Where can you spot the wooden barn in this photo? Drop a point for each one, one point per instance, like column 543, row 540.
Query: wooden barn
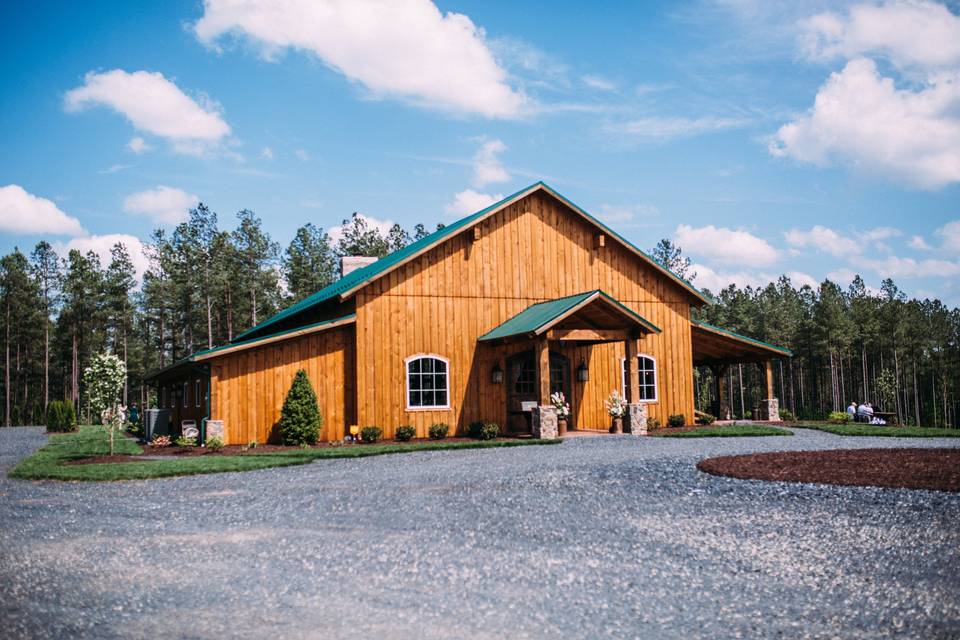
column 481, row 320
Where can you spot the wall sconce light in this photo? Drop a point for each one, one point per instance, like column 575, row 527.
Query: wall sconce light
column 496, row 376
column 583, row 374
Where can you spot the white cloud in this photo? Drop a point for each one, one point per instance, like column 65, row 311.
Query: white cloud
column 861, row 119
column 799, row 278
column 101, row 245
column 881, row 233
column 380, row 224
column 155, row 105
column 708, row 278
column 656, row 128
column 302, row 155
column 487, row 168
column 22, row 212
column 917, row 242
column 470, row 201
column 727, row 246
column 596, row 82
column 405, row 48
column 138, row 145
column 824, row 239
column 897, row 267
column 614, row 214
column 267, row 153
column 114, row 168
column 163, row 205
column 841, row 275
column 909, row 34
column 949, row 235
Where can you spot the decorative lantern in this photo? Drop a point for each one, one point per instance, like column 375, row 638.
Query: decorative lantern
column 496, row 376
column 583, row 374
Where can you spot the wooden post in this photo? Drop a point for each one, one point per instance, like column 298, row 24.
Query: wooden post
column 542, row 353
column 720, row 403
column 768, row 372
column 633, row 373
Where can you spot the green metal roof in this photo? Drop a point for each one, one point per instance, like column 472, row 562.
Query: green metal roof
column 370, row 272
column 535, row 317
column 754, row 341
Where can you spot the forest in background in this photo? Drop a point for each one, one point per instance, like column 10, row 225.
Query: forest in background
column 205, row 285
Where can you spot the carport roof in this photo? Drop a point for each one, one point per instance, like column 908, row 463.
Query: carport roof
column 713, row 345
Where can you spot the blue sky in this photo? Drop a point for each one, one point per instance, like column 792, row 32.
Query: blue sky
column 814, row 139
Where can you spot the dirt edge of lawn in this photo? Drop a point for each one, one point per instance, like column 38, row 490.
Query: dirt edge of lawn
column 65, row 456
column 931, row 469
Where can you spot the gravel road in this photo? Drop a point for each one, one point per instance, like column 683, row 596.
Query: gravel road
column 598, row 537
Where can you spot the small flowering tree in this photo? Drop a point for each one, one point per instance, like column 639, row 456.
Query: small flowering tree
column 103, row 380
column 615, row 404
column 559, row 402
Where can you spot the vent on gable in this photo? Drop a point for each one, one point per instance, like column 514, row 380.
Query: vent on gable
column 352, row 263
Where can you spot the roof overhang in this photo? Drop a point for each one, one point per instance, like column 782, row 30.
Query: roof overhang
column 713, row 346
column 590, row 317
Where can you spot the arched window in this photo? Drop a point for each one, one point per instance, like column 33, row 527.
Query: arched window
column 647, row 367
column 427, row 382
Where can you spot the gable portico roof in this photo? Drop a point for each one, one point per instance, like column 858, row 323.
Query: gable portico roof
column 356, row 280
column 538, row 318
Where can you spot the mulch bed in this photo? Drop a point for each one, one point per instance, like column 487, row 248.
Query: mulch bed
column 935, row 469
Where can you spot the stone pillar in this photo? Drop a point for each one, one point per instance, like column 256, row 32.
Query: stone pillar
column 770, row 410
column 635, row 421
column 544, row 422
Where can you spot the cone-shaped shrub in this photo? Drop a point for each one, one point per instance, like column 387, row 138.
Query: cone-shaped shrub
column 300, row 419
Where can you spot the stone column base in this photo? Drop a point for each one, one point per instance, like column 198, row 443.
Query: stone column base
column 770, row 410
column 635, row 421
column 544, row 422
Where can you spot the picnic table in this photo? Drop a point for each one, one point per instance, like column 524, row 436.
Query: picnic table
column 886, row 416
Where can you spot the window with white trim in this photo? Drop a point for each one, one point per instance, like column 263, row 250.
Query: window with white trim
column 163, row 400
column 427, row 382
column 647, row 368
column 186, row 390
column 196, row 393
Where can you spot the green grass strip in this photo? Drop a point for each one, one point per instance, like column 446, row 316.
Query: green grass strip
column 726, row 431
column 48, row 463
column 881, row 430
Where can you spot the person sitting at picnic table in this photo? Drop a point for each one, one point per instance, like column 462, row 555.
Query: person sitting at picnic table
column 864, row 412
column 852, row 411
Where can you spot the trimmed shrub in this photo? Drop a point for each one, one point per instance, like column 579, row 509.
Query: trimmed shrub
column 61, row 416
column 489, row 431
column 405, row 433
column 838, row 417
column 705, row 418
column 300, row 419
column 474, row 429
column 439, row 431
column 653, row 423
column 161, row 441
column 370, row 434
column 787, row 416
column 214, row 444
column 185, row 442
column 676, row 420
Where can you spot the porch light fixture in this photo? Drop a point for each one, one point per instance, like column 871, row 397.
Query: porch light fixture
column 583, row 374
column 496, row 376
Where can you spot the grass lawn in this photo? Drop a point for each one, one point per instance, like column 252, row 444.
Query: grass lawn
column 881, row 430
column 726, row 431
column 48, row 461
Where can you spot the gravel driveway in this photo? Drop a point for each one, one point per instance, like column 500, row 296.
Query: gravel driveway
column 599, row 537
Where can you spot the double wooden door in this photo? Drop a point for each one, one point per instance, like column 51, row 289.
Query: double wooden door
column 522, row 388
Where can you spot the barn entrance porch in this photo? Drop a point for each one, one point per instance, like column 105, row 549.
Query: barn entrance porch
column 538, row 369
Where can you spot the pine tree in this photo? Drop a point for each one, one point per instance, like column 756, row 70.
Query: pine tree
column 45, row 266
column 309, row 263
column 671, row 256
column 359, row 239
column 300, row 419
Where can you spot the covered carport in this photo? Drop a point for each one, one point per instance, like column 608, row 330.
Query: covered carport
column 718, row 349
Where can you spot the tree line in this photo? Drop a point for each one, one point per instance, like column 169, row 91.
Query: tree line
column 203, row 285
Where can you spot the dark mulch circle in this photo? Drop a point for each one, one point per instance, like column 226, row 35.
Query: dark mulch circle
column 936, row 469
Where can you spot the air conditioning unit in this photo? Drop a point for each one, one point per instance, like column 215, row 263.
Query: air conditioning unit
column 157, row 423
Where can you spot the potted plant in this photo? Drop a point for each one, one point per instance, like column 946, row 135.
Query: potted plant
column 559, row 403
column 616, row 407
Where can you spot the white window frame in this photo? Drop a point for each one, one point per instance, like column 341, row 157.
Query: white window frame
column 186, row 395
column 656, row 378
column 197, row 392
column 164, row 400
column 406, row 375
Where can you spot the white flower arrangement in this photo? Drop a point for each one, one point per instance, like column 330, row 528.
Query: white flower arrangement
column 616, row 406
column 559, row 402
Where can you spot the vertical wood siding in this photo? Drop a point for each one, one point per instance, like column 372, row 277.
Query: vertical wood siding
column 532, row 251
column 248, row 387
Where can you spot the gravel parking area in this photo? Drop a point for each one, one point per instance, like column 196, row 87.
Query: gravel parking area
column 599, row 537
